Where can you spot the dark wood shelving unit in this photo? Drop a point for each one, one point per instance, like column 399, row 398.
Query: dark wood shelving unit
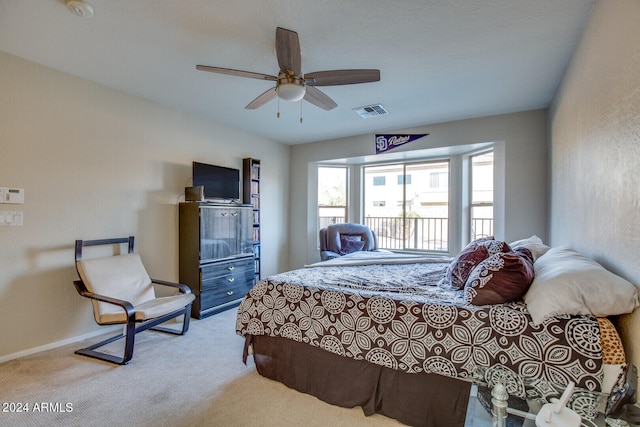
column 251, row 196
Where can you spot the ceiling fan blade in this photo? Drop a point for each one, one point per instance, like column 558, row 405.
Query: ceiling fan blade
column 341, row 77
column 262, row 99
column 238, row 73
column 319, row 99
column 288, row 51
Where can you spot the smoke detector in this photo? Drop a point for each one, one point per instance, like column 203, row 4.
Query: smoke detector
column 80, row 8
column 371, row 111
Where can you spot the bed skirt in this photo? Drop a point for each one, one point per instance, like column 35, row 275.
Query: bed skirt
column 421, row 399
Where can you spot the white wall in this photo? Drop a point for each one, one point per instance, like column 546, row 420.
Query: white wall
column 594, row 128
column 97, row 163
column 523, row 136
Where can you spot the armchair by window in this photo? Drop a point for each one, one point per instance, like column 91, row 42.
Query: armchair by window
column 340, row 239
column 123, row 293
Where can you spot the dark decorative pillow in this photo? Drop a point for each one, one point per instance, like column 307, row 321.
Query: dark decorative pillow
column 502, row 277
column 475, row 252
column 350, row 244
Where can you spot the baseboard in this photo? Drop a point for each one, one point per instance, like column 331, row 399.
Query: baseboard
column 61, row 343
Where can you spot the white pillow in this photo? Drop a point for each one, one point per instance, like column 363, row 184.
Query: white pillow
column 534, row 244
column 567, row 282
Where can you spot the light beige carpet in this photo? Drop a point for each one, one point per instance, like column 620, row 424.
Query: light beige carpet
column 193, row 380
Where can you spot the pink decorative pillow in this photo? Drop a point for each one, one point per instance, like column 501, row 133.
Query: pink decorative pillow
column 475, row 252
column 502, row 277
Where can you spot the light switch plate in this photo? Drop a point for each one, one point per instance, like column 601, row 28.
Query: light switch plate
column 11, row 218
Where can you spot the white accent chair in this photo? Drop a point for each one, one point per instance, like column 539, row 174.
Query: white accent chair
column 123, row 293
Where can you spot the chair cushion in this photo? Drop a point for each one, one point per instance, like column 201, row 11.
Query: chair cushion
column 121, row 276
column 153, row 308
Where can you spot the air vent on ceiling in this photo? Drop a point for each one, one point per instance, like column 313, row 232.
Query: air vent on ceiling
column 371, row 111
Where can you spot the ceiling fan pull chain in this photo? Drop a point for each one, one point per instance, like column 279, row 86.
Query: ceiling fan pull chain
column 300, row 112
column 278, row 115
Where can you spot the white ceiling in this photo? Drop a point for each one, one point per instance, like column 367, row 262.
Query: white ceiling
column 439, row 60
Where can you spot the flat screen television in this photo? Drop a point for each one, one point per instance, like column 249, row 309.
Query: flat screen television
column 218, row 182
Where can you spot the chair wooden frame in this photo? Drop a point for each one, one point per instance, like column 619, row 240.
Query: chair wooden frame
column 131, row 328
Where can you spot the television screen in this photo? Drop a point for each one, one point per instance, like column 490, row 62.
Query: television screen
column 218, row 182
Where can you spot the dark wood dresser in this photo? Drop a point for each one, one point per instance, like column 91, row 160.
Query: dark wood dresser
column 216, row 254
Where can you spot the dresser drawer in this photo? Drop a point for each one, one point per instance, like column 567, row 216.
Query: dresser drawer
column 225, row 291
column 236, row 267
column 225, row 281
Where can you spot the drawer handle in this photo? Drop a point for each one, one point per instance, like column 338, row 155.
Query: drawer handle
column 234, row 214
column 230, row 293
column 224, row 214
column 231, row 268
column 231, row 279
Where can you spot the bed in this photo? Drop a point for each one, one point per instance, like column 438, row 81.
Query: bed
column 406, row 336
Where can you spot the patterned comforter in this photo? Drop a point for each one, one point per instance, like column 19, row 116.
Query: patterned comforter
column 397, row 316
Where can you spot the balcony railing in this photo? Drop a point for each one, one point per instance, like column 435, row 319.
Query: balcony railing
column 481, row 227
column 424, row 234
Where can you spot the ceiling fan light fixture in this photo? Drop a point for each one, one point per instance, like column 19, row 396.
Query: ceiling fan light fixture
column 291, row 91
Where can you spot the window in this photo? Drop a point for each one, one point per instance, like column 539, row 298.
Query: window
column 419, row 203
column 415, row 213
column 332, row 195
column 434, row 180
column 379, row 180
column 481, row 195
column 404, row 179
column 438, row 179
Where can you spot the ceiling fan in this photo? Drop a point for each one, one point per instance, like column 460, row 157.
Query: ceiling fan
column 291, row 84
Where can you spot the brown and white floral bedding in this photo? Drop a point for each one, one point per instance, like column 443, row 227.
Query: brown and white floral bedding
column 396, row 315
